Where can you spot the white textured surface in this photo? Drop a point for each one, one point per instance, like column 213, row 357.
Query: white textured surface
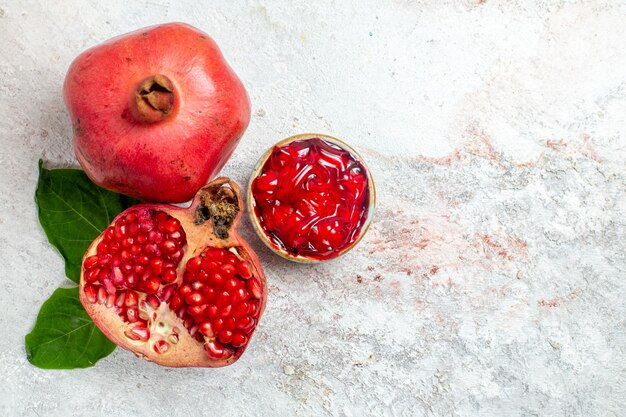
column 492, row 281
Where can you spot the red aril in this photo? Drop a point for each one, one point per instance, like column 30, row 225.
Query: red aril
column 188, row 292
column 311, row 198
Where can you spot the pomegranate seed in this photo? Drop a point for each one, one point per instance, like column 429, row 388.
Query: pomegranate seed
column 153, row 301
column 214, row 254
column 132, row 314
column 151, row 286
column 239, row 295
column 228, row 269
column 176, row 302
column 206, row 329
column 103, row 274
column 216, row 279
column 90, row 293
column 90, row 262
column 229, row 323
column 203, row 275
column 102, row 295
column 133, row 229
column 150, row 249
column 108, row 286
column 245, row 323
column 215, row 350
column 217, row 324
column 169, row 226
column 185, row 290
column 209, row 293
column 194, row 299
column 231, row 258
column 254, row 288
column 197, row 286
column 169, row 275
column 238, row 340
column 139, row 269
column 119, row 301
column 196, row 310
column 168, row 246
column 161, row 346
column 231, row 284
column 225, row 336
column 114, row 247
column 223, row 299
column 131, row 299
column 128, row 242
column 92, row 275
column 241, row 310
column 253, row 308
column 131, row 280
column 173, row 338
column 243, row 269
column 117, row 276
column 143, row 260
column 120, row 231
column 138, row 332
column 135, row 250
column 167, row 293
column 194, row 264
column 126, row 256
column 212, row 311
column 226, row 310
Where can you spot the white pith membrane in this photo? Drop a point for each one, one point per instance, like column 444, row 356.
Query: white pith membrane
column 155, row 331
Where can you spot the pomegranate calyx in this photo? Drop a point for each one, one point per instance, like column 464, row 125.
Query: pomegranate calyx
column 220, row 203
column 154, row 99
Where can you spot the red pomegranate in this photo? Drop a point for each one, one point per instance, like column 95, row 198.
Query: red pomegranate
column 177, row 286
column 156, row 112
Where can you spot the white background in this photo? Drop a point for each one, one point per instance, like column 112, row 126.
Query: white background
column 491, row 282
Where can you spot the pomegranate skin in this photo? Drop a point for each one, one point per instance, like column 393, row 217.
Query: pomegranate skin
column 164, row 154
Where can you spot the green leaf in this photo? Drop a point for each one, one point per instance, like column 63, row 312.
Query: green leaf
column 73, row 211
column 64, row 336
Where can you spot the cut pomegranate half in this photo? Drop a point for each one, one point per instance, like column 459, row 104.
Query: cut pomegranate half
column 177, row 286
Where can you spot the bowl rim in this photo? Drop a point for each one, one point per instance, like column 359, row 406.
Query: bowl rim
column 255, row 220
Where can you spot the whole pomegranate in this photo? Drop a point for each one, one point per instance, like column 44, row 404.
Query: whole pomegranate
column 177, row 286
column 156, row 112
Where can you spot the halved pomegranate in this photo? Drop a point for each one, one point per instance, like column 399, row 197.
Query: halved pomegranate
column 177, row 286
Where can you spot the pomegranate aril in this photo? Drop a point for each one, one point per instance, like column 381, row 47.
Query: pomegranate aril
column 142, row 238
column 185, row 290
column 151, row 286
column 108, row 286
column 194, row 264
column 229, row 323
column 176, row 302
column 239, row 295
column 197, row 285
column 197, row 310
column 138, row 331
column 228, row 269
column 241, row 310
column 102, row 295
column 161, row 346
column 169, row 275
column 167, row 293
column 209, row 294
column 217, row 324
column 135, row 250
column 133, row 228
column 153, row 301
column 119, row 301
column 132, row 314
column 92, row 275
column 214, row 254
column 90, row 262
column 243, row 269
column 213, row 312
column 226, row 311
column 206, row 329
column 168, row 246
column 216, row 279
column 254, row 288
column 215, row 350
column 231, row 284
column 117, row 277
column 225, row 336
column 91, row 293
column 238, row 340
column 195, row 298
column 143, row 260
column 245, row 323
column 223, row 299
column 131, row 299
